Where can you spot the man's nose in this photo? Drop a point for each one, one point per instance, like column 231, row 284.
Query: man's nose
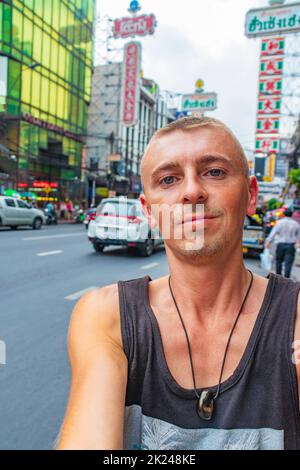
column 194, row 190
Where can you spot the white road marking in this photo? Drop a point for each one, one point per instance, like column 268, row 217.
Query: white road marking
column 48, row 253
column 47, row 237
column 80, row 293
column 150, row 265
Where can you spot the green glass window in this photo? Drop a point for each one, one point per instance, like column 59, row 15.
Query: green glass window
column 48, row 11
column 27, row 37
column 35, row 89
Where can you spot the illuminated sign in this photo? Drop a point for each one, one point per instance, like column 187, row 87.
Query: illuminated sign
column 44, row 184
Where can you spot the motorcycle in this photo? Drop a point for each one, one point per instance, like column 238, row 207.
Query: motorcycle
column 78, row 216
column 51, row 217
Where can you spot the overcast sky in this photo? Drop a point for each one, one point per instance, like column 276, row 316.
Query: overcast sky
column 203, row 39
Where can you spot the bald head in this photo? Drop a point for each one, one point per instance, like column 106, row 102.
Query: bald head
column 186, row 127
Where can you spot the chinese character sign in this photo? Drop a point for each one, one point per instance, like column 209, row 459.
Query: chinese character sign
column 269, row 95
column 131, row 83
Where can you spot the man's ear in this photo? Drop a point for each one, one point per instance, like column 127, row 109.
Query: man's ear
column 147, row 211
column 253, row 195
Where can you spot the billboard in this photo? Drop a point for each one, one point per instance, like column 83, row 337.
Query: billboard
column 131, row 83
column 268, row 21
column 136, row 26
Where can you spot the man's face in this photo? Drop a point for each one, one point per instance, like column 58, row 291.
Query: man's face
column 193, row 167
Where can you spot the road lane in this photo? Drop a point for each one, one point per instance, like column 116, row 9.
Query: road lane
column 34, row 320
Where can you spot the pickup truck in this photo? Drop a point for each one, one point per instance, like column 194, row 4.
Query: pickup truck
column 253, row 237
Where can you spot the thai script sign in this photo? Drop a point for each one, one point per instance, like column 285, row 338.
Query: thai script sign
column 273, row 20
column 199, row 102
column 131, row 83
column 135, row 26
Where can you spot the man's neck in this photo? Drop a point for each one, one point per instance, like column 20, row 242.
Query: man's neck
column 210, row 291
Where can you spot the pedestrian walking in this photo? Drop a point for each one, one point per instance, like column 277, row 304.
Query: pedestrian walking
column 62, row 209
column 200, row 358
column 70, row 209
column 287, row 235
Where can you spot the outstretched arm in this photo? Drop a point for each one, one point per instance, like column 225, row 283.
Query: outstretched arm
column 95, row 412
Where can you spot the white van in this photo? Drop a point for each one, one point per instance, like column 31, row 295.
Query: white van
column 16, row 213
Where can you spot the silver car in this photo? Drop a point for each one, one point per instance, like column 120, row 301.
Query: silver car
column 121, row 221
column 16, row 213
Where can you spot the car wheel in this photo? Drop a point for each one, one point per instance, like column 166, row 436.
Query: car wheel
column 98, row 248
column 14, row 227
column 0, row 222
column 37, row 224
column 147, row 248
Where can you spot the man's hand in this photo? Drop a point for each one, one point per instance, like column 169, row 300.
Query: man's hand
column 267, row 245
column 95, row 414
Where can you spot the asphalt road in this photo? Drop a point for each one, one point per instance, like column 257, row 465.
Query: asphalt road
column 43, row 273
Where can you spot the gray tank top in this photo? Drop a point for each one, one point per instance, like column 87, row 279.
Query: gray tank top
column 258, row 406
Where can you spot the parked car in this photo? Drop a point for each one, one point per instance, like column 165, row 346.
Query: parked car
column 121, row 221
column 16, row 213
column 253, row 237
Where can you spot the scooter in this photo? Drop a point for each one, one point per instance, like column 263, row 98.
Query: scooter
column 79, row 216
column 51, row 217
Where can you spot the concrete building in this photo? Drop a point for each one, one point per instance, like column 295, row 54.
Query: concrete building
column 113, row 150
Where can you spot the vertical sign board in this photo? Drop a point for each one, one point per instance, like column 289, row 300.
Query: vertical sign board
column 131, row 83
column 3, row 79
column 269, row 101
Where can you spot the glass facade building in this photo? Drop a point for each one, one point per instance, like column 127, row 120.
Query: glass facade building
column 46, row 49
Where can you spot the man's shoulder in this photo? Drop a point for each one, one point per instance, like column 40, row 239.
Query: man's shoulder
column 98, row 311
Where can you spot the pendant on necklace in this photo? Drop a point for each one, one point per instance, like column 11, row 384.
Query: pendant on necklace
column 205, row 405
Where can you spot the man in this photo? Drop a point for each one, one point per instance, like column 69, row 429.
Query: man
column 287, row 232
column 201, row 359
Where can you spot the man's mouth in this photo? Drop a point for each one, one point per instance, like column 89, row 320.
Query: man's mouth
column 198, row 218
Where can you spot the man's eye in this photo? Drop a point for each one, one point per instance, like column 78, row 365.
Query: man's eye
column 168, row 180
column 216, row 172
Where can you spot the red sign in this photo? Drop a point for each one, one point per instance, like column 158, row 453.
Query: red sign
column 131, row 79
column 44, row 184
column 135, row 26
